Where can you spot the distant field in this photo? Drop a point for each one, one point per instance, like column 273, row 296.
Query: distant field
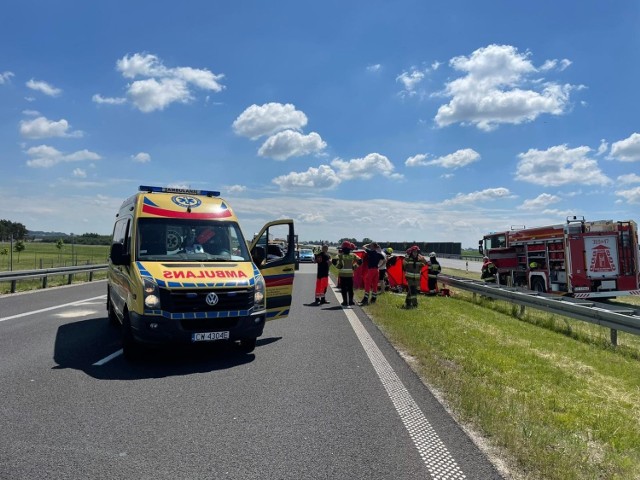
column 38, row 255
column 47, row 255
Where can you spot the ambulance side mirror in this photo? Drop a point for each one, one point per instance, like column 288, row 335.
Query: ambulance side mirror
column 118, row 255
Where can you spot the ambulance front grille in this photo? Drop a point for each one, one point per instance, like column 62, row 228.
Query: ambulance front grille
column 180, row 301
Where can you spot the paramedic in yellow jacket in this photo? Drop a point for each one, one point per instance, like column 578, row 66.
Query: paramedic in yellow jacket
column 412, row 266
column 346, row 262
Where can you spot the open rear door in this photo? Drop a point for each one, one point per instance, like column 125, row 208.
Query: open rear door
column 273, row 251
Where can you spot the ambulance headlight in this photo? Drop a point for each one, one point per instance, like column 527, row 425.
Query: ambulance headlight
column 151, row 294
column 259, row 296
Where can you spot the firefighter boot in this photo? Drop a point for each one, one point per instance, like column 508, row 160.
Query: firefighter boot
column 365, row 300
column 344, row 300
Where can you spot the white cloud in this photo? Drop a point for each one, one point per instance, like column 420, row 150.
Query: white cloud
column 454, row 160
column 494, row 90
column 151, row 94
column 323, row 177
column 141, row 157
column 560, row 165
column 5, row 77
column 410, row 81
column 43, row 87
column 540, row 202
column 604, row 146
column 365, row 168
column 631, row 196
column 290, row 143
column 79, row 173
column 99, row 99
column 374, row 68
column 487, row 194
column 236, row 189
column 313, row 218
column 260, row 120
column 628, row 179
column 627, row 150
column 162, row 86
column 44, row 156
column 42, row 127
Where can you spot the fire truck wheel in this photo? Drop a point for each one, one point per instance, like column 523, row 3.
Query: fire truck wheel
column 537, row 285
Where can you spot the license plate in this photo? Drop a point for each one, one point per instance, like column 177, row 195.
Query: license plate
column 209, row 336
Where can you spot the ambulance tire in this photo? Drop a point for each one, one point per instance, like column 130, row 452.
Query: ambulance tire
column 131, row 350
column 247, row 345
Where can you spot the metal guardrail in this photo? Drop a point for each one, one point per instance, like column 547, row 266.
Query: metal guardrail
column 614, row 317
column 45, row 273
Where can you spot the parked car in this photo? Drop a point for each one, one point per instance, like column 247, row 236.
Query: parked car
column 306, row 255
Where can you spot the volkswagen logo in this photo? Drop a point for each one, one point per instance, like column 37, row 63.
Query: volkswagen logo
column 212, row 299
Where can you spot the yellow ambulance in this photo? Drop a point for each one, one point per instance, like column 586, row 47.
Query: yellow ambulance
column 180, row 271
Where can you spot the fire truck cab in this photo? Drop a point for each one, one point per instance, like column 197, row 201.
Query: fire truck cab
column 585, row 259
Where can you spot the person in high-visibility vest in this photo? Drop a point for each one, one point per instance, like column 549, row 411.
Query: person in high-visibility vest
column 434, row 271
column 412, row 266
column 346, row 262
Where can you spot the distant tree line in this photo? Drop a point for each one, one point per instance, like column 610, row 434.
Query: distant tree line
column 9, row 229
column 19, row 232
column 84, row 239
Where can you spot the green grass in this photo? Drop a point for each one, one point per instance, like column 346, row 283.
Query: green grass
column 38, row 255
column 551, row 393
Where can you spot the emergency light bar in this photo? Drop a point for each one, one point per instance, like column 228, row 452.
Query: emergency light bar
column 208, row 193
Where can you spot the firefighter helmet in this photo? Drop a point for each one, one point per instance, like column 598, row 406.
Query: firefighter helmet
column 389, row 250
column 346, row 244
column 432, row 255
column 415, row 248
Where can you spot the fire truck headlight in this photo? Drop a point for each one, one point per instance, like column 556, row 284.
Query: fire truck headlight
column 259, row 296
column 151, row 294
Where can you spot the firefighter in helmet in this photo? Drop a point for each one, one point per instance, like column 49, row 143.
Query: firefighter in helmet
column 346, row 262
column 434, row 270
column 412, row 266
column 488, row 271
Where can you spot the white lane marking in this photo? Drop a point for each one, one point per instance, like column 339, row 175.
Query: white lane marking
column 99, row 363
column 434, row 454
column 34, row 312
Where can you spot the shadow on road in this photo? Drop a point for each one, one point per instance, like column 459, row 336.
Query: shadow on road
column 79, row 345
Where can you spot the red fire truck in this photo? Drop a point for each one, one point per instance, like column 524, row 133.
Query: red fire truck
column 580, row 258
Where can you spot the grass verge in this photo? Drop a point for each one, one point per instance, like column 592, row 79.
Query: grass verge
column 550, row 392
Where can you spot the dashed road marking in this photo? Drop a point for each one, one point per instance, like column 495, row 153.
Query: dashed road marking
column 34, row 312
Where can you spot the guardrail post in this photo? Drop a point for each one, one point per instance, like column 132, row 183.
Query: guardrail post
column 614, row 337
column 44, row 282
column 91, row 276
column 70, row 279
column 13, row 286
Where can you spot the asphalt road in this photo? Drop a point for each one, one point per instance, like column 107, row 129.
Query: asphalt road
column 323, row 396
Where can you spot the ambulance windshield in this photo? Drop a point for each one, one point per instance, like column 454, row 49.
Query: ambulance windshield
column 169, row 239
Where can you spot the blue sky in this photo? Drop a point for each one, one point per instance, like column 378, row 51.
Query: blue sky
column 407, row 120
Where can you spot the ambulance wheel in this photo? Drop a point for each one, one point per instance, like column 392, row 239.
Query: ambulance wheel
column 247, row 345
column 131, row 349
